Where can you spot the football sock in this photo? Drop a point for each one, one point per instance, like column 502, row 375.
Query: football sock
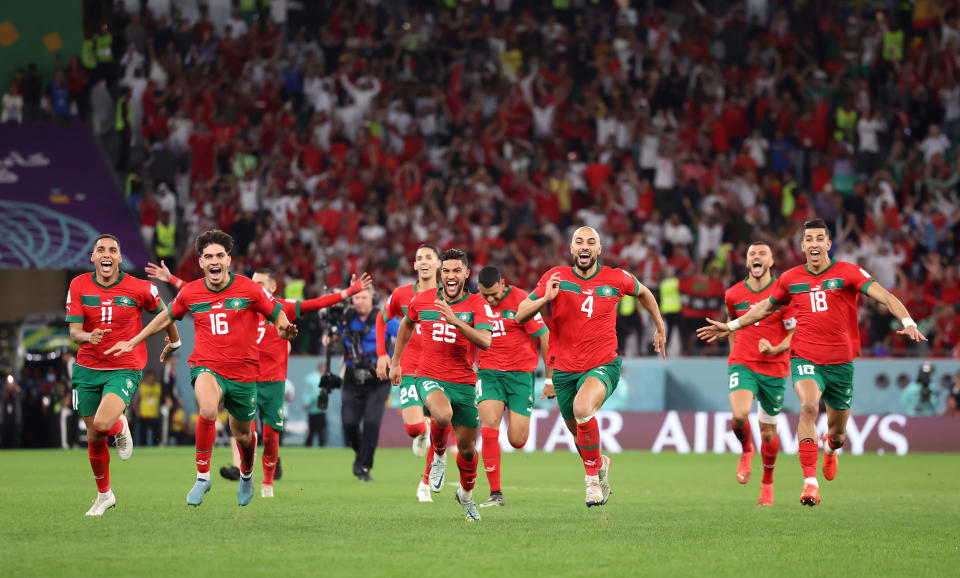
column 426, row 471
column 588, row 441
column 768, row 451
column 438, row 437
column 248, row 455
column 830, row 448
column 206, row 435
column 808, row 459
column 100, row 464
column 743, row 434
column 468, row 471
column 115, row 429
column 415, row 429
column 491, row 456
column 271, row 448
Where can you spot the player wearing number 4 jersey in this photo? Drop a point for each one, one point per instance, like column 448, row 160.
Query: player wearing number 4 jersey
column 103, row 308
column 823, row 295
column 454, row 323
column 583, row 344
column 425, row 263
column 505, row 377
column 224, row 362
column 758, row 367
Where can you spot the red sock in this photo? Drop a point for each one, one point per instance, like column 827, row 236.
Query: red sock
column 100, row 464
column 588, row 440
column 438, row 437
column 413, row 430
column 468, row 471
column 206, row 435
column 426, row 471
column 743, row 434
column 768, row 451
column 248, row 454
column 809, row 457
column 491, row 456
column 115, row 429
column 271, row 449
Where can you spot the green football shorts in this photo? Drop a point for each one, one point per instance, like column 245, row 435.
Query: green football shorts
column 270, row 396
column 567, row 384
column 90, row 385
column 834, row 380
column 240, row 398
column 408, row 392
column 768, row 390
column 514, row 388
column 462, row 397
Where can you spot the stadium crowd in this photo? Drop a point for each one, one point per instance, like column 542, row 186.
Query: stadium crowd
column 343, row 137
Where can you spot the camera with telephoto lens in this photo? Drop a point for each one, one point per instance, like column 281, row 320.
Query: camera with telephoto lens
column 328, row 383
column 924, row 378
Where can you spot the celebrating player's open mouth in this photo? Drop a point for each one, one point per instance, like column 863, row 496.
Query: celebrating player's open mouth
column 756, row 268
column 215, row 272
column 452, row 286
column 106, row 267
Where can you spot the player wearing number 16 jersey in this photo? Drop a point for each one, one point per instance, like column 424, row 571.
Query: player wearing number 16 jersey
column 823, row 295
column 583, row 344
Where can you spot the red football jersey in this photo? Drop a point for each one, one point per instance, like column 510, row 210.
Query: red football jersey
column 396, row 307
column 583, row 332
column 447, row 355
column 225, row 324
column 274, row 350
column 741, row 298
column 512, row 348
column 825, row 306
column 116, row 307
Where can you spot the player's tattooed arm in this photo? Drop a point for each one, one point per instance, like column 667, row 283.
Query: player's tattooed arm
column 897, row 309
column 79, row 336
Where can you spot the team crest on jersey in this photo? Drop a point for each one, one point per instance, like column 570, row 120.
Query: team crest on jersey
column 832, row 284
column 463, row 316
column 604, row 291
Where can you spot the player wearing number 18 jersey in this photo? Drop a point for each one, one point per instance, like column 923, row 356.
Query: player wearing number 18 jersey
column 583, row 344
column 823, row 294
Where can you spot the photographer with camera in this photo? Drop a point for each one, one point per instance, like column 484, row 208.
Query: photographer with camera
column 918, row 398
column 364, row 396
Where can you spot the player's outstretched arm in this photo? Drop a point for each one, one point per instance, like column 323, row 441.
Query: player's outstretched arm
column 383, row 360
column 403, row 338
column 529, row 308
column 356, row 286
column 159, row 323
column 286, row 329
column 163, row 274
column 173, row 337
column 897, row 309
column 717, row 329
column 649, row 302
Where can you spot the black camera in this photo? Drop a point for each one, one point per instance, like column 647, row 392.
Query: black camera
column 924, row 378
column 328, row 383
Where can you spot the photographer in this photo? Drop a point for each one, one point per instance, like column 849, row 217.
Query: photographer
column 364, row 396
column 918, row 398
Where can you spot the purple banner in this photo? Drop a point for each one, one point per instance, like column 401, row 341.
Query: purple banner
column 56, row 195
column 703, row 432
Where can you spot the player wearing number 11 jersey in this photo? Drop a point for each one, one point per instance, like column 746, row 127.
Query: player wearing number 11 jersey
column 823, row 295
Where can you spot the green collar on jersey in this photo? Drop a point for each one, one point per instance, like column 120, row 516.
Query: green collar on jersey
column 762, row 289
column 114, row 284
column 579, row 276
column 832, row 263
column 460, row 300
column 225, row 287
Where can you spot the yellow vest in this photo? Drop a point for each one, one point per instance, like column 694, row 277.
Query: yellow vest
column 88, row 54
column 670, row 295
column 122, row 119
column 166, row 240
column 627, row 305
column 105, row 47
column 294, row 289
column 893, row 45
column 150, row 400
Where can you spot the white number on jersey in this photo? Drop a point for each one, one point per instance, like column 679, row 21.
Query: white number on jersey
column 587, row 306
column 408, row 393
column 444, row 333
column 498, row 327
column 818, row 301
column 106, row 314
column 805, row 370
column 218, row 324
column 261, row 331
column 734, row 379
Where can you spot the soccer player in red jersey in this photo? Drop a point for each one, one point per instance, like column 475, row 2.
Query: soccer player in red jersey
column 583, row 344
column 425, row 263
column 505, row 377
column 225, row 358
column 272, row 373
column 454, row 323
column 758, row 367
column 823, row 294
column 103, row 308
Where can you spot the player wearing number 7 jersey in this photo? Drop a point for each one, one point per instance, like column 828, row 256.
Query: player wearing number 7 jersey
column 823, row 294
column 224, row 362
column 583, row 344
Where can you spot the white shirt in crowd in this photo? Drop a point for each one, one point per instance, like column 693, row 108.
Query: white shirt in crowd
column 867, row 131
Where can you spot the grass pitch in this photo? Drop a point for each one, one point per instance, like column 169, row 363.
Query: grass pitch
column 669, row 514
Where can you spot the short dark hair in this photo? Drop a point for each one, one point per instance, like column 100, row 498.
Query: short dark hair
column 268, row 272
column 106, row 236
column 213, row 237
column 453, row 255
column 489, row 276
column 754, row 243
column 817, row 224
column 431, row 247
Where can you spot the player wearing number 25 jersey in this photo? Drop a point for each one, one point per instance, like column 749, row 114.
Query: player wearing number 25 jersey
column 823, row 294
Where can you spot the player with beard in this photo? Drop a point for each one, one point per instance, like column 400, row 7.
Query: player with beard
column 104, row 308
column 454, row 323
column 425, row 263
column 225, row 358
column 757, row 367
column 823, row 294
column 583, row 344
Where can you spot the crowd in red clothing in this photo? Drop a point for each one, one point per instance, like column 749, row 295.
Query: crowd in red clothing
column 680, row 133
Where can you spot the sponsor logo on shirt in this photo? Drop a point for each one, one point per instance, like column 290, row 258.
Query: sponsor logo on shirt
column 588, row 291
column 217, row 306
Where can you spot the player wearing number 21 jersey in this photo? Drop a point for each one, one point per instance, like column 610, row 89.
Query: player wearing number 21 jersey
column 823, row 295
column 583, row 344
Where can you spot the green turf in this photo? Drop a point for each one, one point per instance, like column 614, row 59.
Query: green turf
column 670, row 514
